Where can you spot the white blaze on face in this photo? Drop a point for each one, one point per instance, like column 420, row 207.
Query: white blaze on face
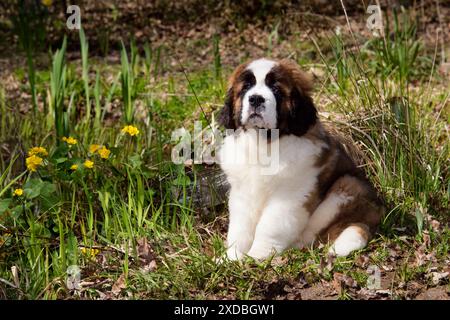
column 260, row 68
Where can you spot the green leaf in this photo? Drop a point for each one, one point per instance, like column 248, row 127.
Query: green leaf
column 43, row 190
column 72, row 248
column 60, row 151
column 419, row 219
column 47, row 188
column 41, row 230
column 33, row 187
column 61, row 160
column 135, row 161
column 17, row 211
column 4, row 205
column 48, row 195
column 181, row 181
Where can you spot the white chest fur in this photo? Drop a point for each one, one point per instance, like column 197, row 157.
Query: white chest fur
column 267, row 206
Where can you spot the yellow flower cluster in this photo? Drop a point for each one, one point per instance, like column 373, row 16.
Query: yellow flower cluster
column 38, row 151
column 70, row 140
column 93, row 148
column 34, row 159
column 104, row 153
column 88, row 164
column 90, row 252
column 131, row 130
column 47, row 3
column 101, row 150
column 33, row 162
column 18, row 192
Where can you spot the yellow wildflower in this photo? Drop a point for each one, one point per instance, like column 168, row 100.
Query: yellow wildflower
column 90, row 252
column 47, row 3
column 39, row 151
column 33, row 162
column 18, row 192
column 70, row 140
column 89, row 164
column 74, row 167
column 131, row 130
column 104, row 153
column 94, row 147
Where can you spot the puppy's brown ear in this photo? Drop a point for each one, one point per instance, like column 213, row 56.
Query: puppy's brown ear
column 302, row 80
column 302, row 114
column 226, row 118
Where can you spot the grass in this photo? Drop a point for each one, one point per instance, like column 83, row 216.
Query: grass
column 27, row 19
column 85, row 72
column 58, row 84
column 131, row 223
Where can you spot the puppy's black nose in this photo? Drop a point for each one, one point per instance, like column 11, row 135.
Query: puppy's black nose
column 256, row 100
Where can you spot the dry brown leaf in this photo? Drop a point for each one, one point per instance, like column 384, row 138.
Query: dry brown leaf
column 436, row 277
column 119, row 285
column 422, row 257
column 367, row 294
column 342, row 281
column 444, row 69
column 279, row 261
column 146, row 255
column 426, row 238
column 149, row 267
column 384, row 292
column 387, row 267
column 363, row 261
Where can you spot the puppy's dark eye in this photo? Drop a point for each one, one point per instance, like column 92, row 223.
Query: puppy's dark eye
column 275, row 90
column 246, row 85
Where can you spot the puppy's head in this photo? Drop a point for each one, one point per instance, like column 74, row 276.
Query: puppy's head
column 271, row 95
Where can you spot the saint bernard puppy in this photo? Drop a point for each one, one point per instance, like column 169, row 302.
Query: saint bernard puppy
column 316, row 195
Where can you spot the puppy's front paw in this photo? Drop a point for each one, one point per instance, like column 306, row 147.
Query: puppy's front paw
column 234, row 254
column 261, row 254
column 308, row 238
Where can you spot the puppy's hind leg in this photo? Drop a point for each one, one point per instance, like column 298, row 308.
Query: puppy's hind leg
column 356, row 219
column 352, row 238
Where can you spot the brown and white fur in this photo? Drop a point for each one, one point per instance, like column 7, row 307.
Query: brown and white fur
column 318, row 193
